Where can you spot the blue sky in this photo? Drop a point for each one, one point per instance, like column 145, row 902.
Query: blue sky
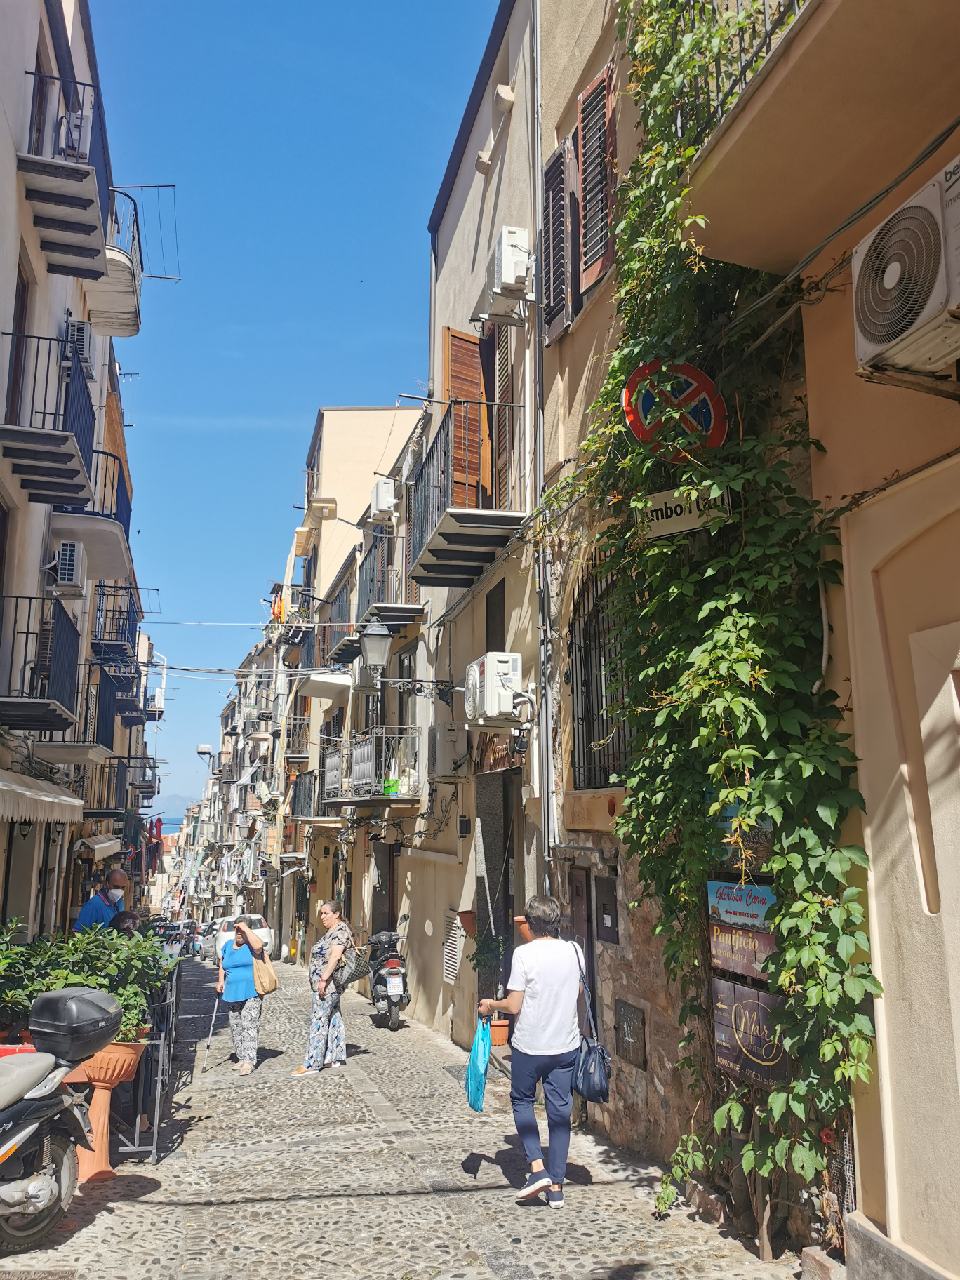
column 307, row 141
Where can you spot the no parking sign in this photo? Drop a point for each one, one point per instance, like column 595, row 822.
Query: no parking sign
column 691, row 392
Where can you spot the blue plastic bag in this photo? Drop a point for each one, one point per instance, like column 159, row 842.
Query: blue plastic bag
column 476, row 1080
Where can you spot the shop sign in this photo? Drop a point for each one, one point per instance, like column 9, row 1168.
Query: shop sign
column 690, row 393
column 745, row 1044
column 668, row 512
column 496, row 753
column 745, row 905
column 740, row 950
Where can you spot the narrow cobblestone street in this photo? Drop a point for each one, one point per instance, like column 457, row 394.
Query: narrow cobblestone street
column 379, row 1170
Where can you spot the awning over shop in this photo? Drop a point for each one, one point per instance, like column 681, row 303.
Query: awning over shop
column 100, row 846
column 24, row 799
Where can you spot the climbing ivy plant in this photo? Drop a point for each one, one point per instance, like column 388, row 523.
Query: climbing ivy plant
column 740, row 760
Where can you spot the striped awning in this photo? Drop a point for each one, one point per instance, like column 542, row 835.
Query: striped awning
column 100, row 846
column 24, row 799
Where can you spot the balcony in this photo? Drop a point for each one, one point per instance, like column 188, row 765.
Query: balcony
column 142, row 778
column 39, row 664
column 339, row 639
column 316, row 510
column 383, row 768
column 468, row 495
column 49, row 419
column 333, row 775
column 784, row 117
column 103, row 523
column 297, row 738
column 116, row 622
column 90, row 740
column 303, row 802
column 115, row 297
column 130, row 682
column 63, row 162
column 380, row 587
column 105, row 789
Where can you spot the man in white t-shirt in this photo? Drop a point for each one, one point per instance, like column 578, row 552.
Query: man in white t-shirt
column 543, row 995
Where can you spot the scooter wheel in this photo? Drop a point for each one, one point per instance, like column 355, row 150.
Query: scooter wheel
column 394, row 1017
column 20, row 1232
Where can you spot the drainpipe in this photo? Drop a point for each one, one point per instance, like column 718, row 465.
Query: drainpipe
column 545, row 649
column 430, row 322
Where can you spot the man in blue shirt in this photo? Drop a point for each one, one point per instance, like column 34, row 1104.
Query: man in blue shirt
column 103, row 906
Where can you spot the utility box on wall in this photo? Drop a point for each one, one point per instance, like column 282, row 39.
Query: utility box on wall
column 631, row 1031
column 607, row 923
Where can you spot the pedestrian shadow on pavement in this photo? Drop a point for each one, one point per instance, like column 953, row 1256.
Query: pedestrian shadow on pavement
column 356, row 1050
column 512, row 1163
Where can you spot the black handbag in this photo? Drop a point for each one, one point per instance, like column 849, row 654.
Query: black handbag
column 591, row 1071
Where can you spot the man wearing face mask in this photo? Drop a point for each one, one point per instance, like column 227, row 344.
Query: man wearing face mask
column 103, row 906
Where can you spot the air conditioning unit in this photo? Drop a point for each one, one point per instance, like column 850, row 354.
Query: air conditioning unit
column 383, row 501
column 71, row 568
column 906, row 282
column 446, row 752
column 490, row 688
column 80, row 336
column 509, row 262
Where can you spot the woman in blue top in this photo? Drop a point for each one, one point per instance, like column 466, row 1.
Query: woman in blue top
column 235, row 984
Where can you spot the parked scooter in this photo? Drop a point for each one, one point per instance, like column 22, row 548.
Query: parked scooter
column 388, row 976
column 42, row 1121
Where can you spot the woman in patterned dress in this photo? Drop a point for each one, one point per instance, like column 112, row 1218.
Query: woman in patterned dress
column 327, row 1045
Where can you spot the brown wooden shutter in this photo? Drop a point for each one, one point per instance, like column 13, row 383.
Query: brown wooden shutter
column 560, row 262
column 596, row 132
column 503, row 419
column 470, row 446
column 412, row 589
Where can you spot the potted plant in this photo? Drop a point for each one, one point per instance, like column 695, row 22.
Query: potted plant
column 487, row 960
column 468, row 921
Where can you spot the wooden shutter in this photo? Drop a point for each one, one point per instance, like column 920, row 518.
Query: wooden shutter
column 596, row 134
column 470, row 446
column 559, row 239
column 412, row 590
column 503, row 415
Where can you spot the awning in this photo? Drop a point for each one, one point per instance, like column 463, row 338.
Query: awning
column 100, row 846
column 24, row 799
column 332, row 686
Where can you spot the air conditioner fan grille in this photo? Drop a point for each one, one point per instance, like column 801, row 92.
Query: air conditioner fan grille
column 898, row 274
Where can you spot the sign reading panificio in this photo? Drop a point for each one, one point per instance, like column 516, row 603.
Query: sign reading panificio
column 668, row 512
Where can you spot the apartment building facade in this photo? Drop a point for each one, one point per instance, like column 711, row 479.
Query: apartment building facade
column 76, row 684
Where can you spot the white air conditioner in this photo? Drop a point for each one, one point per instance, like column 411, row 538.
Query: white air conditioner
column 71, row 568
column 509, row 262
column 446, row 752
column 383, row 501
column 490, row 689
column 906, row 282
column 80, row 335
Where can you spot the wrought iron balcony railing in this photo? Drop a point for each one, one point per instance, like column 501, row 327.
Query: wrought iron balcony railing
column 117, row 620
column 123, row 231
column 111, row 495
column 380, row 577
column 45, row 389
column 333, row 773
column 66, row 126
column 756, row 28
column 298, row 736
column 39, row 663
column 96, row 711
column 142, row 777
column 384, row 763
column 304, row 799
column 105, row 789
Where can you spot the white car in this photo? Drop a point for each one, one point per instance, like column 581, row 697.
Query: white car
column 256, row 924
column 208, row 939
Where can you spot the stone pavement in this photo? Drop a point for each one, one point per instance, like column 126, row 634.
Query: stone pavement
column 378, row 1170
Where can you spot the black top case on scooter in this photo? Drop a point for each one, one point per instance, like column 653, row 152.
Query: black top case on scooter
column 75, row 1022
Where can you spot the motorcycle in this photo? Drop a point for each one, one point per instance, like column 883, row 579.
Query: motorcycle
column 388, row 977
column 42, row 1121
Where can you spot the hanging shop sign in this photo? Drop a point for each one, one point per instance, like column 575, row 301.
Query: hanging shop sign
column 668, row 512
column 745, row 905
column 691, row 394
column 739, row 950
column 747, row 1047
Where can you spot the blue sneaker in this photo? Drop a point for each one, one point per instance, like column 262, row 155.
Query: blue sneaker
column 555, row 1199
column 535, row 1183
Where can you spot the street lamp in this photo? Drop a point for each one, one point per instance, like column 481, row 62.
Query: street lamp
column 375, row 642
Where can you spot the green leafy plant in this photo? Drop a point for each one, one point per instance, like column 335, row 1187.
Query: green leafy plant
column 742, row 762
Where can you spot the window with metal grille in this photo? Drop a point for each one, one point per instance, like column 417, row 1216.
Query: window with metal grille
column 601, row 735
column 596, row 135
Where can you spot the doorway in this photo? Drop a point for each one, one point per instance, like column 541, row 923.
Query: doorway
column 382, row 911
column 578, row 882
column 499, row 872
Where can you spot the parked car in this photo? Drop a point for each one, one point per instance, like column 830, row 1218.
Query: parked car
column 256, row 923
column 208, row 938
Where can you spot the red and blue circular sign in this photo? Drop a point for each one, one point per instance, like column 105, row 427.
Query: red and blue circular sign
column 690, row 392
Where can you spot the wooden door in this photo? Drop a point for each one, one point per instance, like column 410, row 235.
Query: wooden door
column 18, row 350
column 470, row 446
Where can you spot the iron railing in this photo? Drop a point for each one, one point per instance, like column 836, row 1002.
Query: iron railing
column 105, row 787
column 601, row 732
column 474, row 461
column 142, row 776
column 96, row 709
column 39, row 651
column 111, row 495
column 339, row 624
column 46, row 388
column 384, row 762
column 117, row 618
column 66, row 126
column 298, row 736
column 123, row 230
column 131, row 688
column 333, row 773
column 756, row 27
column 304, row 799
column 380, row 576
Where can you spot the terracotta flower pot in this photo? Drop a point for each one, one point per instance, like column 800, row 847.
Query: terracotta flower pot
column 523, row 928
column 499, row 1030
column 469, row 921
column 116, row 1064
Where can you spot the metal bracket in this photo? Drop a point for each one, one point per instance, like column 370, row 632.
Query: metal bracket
column 947, row 388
